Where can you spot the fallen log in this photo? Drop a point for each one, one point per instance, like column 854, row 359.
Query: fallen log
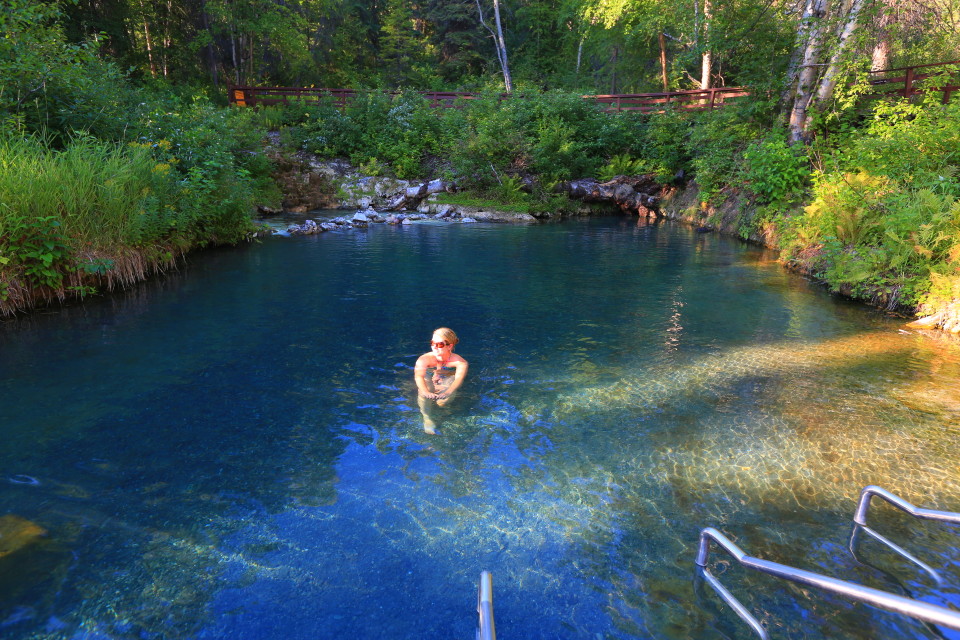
column 632, row 194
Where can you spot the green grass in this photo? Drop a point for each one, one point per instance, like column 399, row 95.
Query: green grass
column 467, row 199
column 94, row 189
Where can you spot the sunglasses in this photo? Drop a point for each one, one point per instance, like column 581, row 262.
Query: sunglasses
column 439, row 345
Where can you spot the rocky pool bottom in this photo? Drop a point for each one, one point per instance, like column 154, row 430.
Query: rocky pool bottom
column 235, row 450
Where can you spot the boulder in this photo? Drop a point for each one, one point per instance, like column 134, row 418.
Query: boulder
column 501, row 216
column 16, row 533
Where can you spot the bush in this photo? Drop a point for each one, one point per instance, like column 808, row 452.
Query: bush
column 664, row 147
column 774, row 171
column 716, row 144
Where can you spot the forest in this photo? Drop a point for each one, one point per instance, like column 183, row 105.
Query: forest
column 118, row 152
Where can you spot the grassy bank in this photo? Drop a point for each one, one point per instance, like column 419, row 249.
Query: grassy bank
column 872, row 210
column 90, row 214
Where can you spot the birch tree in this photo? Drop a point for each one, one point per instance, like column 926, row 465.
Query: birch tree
column 706, row 58
column 499, row 43
column 824, row 35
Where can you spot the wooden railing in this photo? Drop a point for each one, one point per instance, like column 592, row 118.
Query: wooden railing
column 642, row 102
column 904, row 81
column 695, row 99
column 266, row 96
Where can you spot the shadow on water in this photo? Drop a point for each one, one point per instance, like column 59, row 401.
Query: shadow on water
column 236, row 451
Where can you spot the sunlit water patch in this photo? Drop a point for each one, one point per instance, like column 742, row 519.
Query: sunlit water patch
column 235, row 450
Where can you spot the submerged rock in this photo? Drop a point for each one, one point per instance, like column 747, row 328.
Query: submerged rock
column 16, row 533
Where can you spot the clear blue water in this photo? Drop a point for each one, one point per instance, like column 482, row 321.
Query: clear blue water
column 234, row 450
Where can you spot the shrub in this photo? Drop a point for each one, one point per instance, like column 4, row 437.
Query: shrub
column 774, row 171
column 664, row 147
column 715, row 145
column 620, row 165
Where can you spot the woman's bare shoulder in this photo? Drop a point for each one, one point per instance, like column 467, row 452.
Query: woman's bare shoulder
column 426, row 360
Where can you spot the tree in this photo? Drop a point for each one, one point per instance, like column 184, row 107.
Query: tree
column 821, row 59
column 499, row 43
column 456, row 38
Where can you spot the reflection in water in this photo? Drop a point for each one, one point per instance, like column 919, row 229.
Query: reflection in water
column 245, row 457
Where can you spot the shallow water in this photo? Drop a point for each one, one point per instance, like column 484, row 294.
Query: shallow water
column 235, row 451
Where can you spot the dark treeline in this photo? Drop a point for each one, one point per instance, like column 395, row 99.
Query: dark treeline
column 597, row 45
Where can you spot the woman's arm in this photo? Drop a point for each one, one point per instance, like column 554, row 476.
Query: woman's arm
column 420, row 377
column 461, row 367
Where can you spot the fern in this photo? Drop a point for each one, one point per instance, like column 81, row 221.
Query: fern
column 620, row 165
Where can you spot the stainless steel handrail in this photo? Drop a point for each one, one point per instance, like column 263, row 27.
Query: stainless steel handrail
column 734, row 604
column 485, row 628
column 860, row 523
column 882, row 599
column 854, row 538
column 860, row 517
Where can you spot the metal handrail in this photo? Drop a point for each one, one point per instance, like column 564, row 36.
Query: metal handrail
column 485, row 626
column 903, row 553
column 860, row 517
column 881, row 599
column 860, row 524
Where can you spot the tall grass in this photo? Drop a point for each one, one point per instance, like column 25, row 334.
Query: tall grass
column 95, row 189
column 95, row 214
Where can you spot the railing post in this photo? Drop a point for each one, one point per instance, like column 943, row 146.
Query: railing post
column 486, row 630
column 908, row 83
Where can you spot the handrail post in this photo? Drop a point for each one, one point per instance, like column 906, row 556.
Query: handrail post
column 908, row 83
column 485, row 629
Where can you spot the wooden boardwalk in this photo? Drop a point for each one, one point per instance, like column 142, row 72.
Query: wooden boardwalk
column 642, row 102
column 905, row 81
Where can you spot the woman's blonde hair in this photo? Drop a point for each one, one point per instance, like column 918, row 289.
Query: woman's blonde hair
column 448, row 335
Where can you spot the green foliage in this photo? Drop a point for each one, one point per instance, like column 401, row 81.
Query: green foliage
column 620, row 165
column 510, row 190
column 34, row 247
column 400, row 131
column 774, row 171
column 891, row 231
column 716, row 144
column 664, row 145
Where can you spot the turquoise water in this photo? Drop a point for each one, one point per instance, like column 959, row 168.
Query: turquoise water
column 235, row 450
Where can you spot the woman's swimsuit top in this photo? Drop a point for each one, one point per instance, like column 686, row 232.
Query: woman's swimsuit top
column 442, row 372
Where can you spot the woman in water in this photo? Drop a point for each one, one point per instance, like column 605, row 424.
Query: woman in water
column 438, row 374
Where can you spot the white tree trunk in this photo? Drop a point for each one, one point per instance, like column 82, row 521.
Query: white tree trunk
column 808, row 70
column 507, row 81
column 499, row 43
column 580, row 52
column 799, row 49
column 707, row 59
column 828, row 82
